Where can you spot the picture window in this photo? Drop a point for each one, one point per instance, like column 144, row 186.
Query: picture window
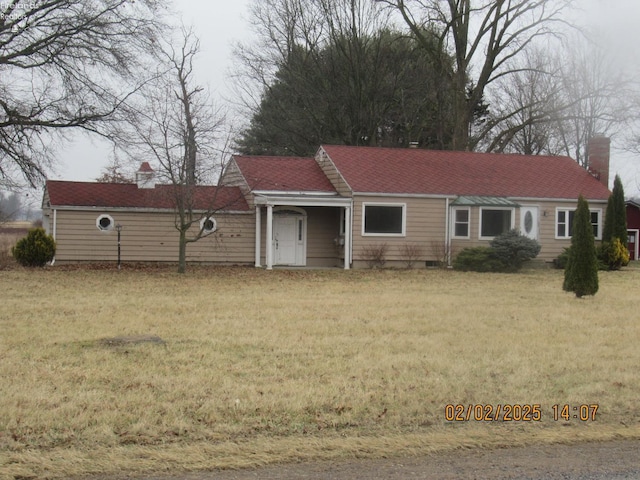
column 384, row 220
column 495, row 222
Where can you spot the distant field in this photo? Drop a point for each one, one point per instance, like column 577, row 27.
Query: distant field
column 245, row 367
column 10, row 233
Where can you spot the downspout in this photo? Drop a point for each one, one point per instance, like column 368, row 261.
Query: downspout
column 447, row 232
column 54, row 231
column 351, row 235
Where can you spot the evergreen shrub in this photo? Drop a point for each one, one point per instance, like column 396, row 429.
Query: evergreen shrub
column 561, row 260
column 613, row 255
column 34, row 250
column 478, row 259
column 513, row 249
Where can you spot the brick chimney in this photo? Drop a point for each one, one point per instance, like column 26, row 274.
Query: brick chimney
column 145, row 176
column 598, row 158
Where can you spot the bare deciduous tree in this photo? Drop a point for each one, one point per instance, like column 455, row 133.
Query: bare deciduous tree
column 484, row 36
column 558, row 99
column 66, row 64
column 173, row 121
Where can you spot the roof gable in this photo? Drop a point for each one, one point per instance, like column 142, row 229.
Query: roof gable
column 283, row 174
column 434, row 172
column 127, row 195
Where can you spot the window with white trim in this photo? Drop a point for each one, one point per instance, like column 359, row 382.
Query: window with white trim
column 384, row 219
column 105, row 223
column 461, row 217
column 564, row 222
column 495, row 221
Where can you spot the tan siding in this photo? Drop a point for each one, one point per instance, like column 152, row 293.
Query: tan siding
column 333, row 175
column 232, row 177
column 425, row 221
column 323, row 228
column 150, row 237
column 551, row 246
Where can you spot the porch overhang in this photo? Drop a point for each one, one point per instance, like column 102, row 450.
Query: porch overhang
column 482, row 201
column 271, row 199
column 298, row 199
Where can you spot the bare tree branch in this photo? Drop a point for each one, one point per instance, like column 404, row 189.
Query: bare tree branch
column 67, row 64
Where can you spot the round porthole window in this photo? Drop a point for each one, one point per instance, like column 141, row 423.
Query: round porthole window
column 105, row 222
column 208, row 225
column 528, row 222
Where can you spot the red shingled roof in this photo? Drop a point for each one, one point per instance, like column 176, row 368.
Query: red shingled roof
column 417, row 171
column 285, row 174
column 128, row 195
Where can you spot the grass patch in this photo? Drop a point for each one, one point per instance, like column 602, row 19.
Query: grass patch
column 241, row 367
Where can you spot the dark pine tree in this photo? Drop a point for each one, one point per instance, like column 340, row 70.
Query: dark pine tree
column 615, row 222
column 581, row 272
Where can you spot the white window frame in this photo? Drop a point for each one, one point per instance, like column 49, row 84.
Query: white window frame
column 482, row 209
column 454, row 222
column 566, row 211
column 385, row 204
column 111, row 226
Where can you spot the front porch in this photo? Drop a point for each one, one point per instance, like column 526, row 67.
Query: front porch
column 302, row 230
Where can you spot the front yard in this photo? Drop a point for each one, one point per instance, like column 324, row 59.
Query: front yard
column 249, row 367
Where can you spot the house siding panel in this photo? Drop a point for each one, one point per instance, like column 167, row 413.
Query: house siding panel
column 150, row 237
column 332, row 173
column 551, row 246
column 232, row 177
column 323, row 228
column 425, row 220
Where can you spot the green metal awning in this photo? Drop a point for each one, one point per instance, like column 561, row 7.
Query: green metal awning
column 482, row 201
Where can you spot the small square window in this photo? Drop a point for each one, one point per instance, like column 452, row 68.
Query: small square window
column 461, row 223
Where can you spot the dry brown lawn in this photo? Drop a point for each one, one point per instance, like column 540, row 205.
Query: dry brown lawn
column 248, row 367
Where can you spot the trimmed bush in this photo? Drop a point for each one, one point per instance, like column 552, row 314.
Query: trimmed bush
column 613, row 255
column 514, row 249
column 561, row 260
column 34, row 250
column 478, row 259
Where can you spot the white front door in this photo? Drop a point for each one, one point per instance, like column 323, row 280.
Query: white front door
column 529, row 222
column 288, row 240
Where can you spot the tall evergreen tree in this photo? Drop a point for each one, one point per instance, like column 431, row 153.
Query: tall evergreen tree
column 377, row 89
column 615, row 222
column 581, row 272
column 614, row 251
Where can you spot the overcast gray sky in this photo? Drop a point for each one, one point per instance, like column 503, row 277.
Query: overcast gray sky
column 219, row 24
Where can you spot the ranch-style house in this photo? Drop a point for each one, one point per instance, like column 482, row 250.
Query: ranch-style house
column 334, row 209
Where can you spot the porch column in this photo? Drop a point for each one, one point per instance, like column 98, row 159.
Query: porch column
column 258, row 233
column 347, row 238
column 269, row 242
